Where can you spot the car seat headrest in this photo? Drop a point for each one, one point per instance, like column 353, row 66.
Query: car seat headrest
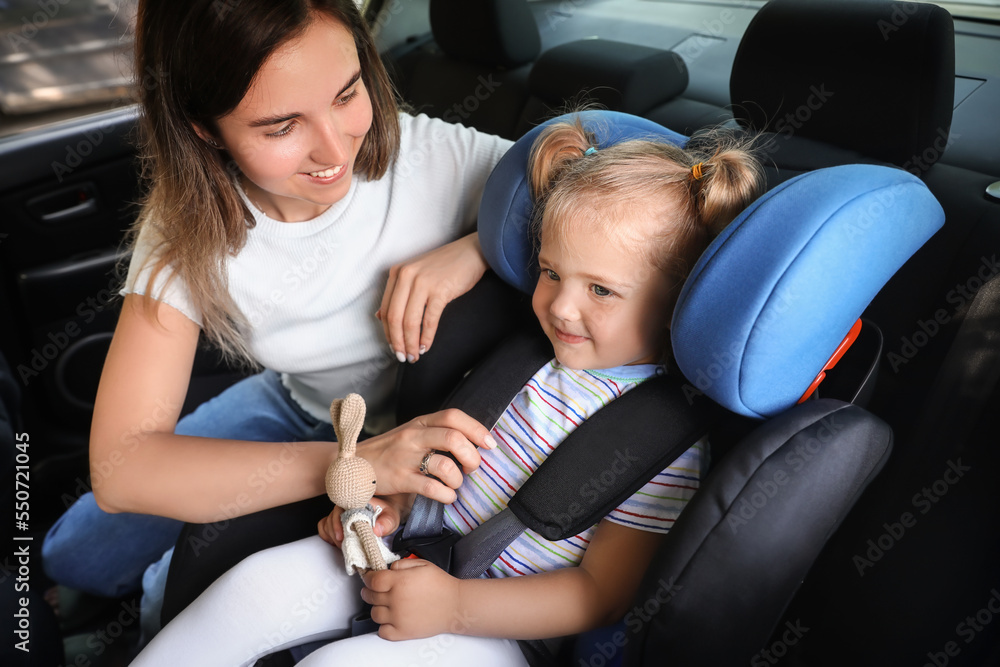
column 500, row 33
column 871, row 76
column 617, row 75
column 505, row 211
column 776, row 292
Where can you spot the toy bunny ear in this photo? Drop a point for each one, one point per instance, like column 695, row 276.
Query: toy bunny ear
column 348, row 415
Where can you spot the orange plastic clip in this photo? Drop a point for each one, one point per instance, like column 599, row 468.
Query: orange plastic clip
column 845, row 344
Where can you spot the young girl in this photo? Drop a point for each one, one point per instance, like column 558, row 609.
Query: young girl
column 620, row 229
column 285, row 189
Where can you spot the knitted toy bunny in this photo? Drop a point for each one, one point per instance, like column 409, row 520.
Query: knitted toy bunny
column 350, row 483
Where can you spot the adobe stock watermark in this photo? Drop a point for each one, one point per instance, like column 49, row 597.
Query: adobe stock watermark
column 922, row 501
column 293, row 279
column 297, row 616
column 637, row 618
column 386, row 14
column 432, row 649
column 590, row 491
column 99, row 641
column 257, row 481
column 559, row 14
column 30, row 25
column 57, row 341
column 795, row 120
column 763, row 491
column 701, row 380
column 223, row 8
column 900, row 14
column 163, row 410
column 461, row 111
column 920, row 163
column 967, row 630
column 958, row 297
column 77, row 152
column 711, row 34
column 779, row 648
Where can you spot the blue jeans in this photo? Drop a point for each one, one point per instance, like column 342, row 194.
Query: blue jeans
column 108, row 554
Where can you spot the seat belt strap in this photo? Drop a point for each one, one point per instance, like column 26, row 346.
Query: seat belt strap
column 477, row 550
column 483, row 395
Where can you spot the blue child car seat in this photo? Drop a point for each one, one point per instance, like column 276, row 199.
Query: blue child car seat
column 761, row 313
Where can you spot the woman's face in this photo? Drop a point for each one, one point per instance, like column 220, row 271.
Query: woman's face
column 297, row 132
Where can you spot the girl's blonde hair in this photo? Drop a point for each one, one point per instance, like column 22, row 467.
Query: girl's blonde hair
column 195, row 60
column 688, row 194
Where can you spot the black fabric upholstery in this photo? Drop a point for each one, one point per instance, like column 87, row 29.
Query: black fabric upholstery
column 620, row 76
column 475, row 70
column 871, row 76
column 719, row 581
column 499, row 33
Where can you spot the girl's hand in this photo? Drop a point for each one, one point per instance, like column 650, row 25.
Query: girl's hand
column 394, row 510
column 413, row 599
column 397, row 454
column 418, row 291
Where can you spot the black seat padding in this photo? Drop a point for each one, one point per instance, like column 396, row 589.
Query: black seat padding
column 844, row 73
column 622, row 77
column 475, row 71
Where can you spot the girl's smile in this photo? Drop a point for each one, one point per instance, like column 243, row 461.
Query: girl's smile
column 600, row 305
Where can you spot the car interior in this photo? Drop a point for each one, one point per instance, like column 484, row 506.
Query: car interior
column 902, row 568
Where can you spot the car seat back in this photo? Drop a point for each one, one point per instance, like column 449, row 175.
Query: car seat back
column 475, row 71
column 780, row 286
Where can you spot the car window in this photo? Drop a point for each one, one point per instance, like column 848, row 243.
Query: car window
column 61, row 58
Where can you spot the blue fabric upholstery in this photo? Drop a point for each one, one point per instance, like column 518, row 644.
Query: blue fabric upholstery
column 505, row 209
column 776, row 292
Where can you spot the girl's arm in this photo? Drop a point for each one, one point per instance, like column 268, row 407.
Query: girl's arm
column 418, row 291
column 139, row 465
column 417, row 599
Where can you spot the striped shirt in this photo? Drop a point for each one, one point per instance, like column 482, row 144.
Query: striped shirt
column 554, row 402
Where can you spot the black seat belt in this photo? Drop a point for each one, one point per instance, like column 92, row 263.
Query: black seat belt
column 598, row 466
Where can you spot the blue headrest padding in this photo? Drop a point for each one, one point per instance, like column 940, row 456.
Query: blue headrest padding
column 505, row 211
column 772, row 297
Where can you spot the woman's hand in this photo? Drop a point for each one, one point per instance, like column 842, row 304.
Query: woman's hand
column 395, row 509
column 397, row 454
column 418, row 291
column 413, row 599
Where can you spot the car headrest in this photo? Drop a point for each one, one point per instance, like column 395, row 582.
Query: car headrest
column 617, row 75
column 871, row 76
column 776, row 292
column 500, row 33
column 505, row 211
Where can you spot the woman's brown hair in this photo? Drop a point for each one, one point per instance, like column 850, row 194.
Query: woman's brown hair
column 195, row 60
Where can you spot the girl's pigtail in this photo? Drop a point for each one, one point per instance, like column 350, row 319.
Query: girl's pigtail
column 726, row 181
column 555, row 148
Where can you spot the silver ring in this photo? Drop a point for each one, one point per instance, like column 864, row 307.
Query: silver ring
column 424, row 461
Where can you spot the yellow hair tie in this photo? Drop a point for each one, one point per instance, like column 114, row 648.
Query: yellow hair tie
column 696, row 171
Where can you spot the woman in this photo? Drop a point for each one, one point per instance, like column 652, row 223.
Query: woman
column 284, row 188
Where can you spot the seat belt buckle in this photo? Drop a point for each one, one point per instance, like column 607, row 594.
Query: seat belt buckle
column 434, row 548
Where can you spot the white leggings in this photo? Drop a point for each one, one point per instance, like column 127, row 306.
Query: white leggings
column 294, row 594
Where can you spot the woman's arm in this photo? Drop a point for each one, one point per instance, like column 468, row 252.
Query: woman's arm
column 416, row 599
column 138, row 464
column 418, row 291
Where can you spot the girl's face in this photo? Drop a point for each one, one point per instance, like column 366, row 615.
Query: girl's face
column 600, row 304
column 297, row 132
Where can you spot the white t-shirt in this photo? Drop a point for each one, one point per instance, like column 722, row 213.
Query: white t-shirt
column 310, row 289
